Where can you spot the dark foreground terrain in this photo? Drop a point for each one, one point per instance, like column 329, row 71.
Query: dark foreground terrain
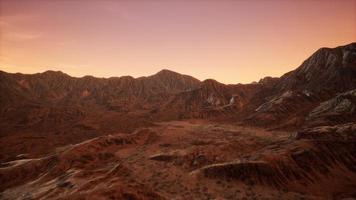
column 171, row 136
column 190, row 160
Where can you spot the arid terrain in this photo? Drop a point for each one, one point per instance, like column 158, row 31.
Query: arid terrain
column 171, row 136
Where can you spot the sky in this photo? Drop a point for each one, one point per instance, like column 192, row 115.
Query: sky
column 231, row 41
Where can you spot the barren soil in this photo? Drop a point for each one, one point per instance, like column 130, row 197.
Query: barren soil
column 191, row 159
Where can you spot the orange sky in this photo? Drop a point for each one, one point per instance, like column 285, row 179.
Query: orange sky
column 228, row 40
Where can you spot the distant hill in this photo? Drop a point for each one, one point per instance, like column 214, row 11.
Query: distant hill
column 54, row 99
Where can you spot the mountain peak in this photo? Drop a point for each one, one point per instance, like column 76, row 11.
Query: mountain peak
column 52, row 72
column 167, row 72
column 210, row 81
column 331, row 69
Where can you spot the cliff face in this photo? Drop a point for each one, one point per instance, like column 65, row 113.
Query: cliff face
column 322, row 76
column 327, row 71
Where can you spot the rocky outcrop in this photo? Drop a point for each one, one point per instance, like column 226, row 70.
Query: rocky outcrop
column 288, row 100
column 248, row 171
column 327, row 71
column 340, row 109
column 337, row 132
column 297, row 166
column 163, row 157
column 284, row 110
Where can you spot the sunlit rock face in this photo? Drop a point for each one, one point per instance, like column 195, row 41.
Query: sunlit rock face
column 340, row 109
column 327, row 71
column 321, row 77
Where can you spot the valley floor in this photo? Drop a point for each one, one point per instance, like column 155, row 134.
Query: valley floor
column 191, row 159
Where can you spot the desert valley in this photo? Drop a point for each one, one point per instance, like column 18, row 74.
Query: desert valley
column 171, row 136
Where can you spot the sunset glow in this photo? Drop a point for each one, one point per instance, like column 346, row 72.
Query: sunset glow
column 230, row 41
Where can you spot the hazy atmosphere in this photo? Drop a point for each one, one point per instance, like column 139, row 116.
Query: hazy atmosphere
column 185, row 99
column 230, row 41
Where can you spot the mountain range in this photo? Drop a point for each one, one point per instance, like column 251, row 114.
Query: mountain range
column 42, row 112
column 170, row 95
